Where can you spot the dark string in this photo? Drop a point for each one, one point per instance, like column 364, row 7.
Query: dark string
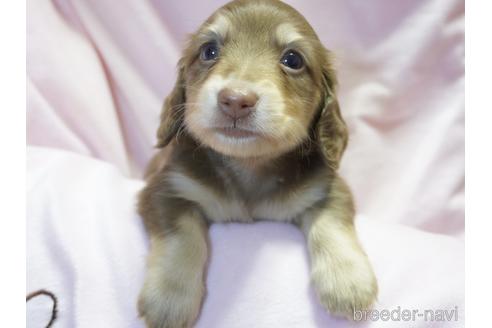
column 54, row 310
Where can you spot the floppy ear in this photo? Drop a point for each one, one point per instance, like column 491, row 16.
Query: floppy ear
column 331, row 131
column 172, row 111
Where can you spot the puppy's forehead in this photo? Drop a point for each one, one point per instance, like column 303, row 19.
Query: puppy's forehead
column 258, row 19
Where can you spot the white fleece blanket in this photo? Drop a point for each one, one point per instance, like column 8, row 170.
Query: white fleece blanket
column 97, row 74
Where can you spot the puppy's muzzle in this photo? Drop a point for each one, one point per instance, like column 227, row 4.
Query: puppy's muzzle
column 237, row 103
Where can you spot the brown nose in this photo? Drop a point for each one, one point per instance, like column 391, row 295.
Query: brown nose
column 237, row 103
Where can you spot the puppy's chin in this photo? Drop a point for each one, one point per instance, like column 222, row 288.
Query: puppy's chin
column 237, row 143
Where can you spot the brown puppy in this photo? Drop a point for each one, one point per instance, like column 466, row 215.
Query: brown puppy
column 252, row 130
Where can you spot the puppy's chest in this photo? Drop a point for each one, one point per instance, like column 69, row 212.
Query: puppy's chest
column 249, row 200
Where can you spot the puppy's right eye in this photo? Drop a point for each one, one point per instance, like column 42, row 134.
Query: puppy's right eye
column 209, row 51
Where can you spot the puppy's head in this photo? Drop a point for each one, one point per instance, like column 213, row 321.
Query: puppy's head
column 255, row 81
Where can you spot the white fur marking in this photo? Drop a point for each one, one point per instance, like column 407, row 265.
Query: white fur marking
column 286, row 33
column 291, row 207
column 215, row 207
column 220, row 26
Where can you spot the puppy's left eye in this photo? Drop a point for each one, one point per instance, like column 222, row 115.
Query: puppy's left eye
column 209, row 51
column 293, row 60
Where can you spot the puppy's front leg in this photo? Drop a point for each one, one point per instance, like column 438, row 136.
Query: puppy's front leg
column 174, row 287
column 340, row 270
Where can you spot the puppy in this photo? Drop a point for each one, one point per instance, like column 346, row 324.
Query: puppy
column 252, row 131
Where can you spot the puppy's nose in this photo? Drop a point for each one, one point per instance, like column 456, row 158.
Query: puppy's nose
column 237, row 103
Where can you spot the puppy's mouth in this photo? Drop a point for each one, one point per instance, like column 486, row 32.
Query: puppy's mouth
column 237, row 133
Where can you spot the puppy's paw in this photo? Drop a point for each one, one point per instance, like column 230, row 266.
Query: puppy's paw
column 170, row 305
column 345, row 288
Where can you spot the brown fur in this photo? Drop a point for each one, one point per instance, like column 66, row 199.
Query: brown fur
column 287, row 174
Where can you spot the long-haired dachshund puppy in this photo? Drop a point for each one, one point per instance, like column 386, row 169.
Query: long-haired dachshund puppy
column 252, row 131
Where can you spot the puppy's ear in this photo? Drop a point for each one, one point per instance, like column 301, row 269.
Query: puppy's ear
column 172, row 111
column 330, row 131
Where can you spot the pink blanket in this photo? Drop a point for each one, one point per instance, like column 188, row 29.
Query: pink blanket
column 97, row 73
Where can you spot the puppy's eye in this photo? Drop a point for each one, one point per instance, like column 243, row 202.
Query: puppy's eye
column 293, row 60
column 209, row 51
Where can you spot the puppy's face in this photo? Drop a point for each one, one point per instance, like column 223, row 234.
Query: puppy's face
column 253, row 81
